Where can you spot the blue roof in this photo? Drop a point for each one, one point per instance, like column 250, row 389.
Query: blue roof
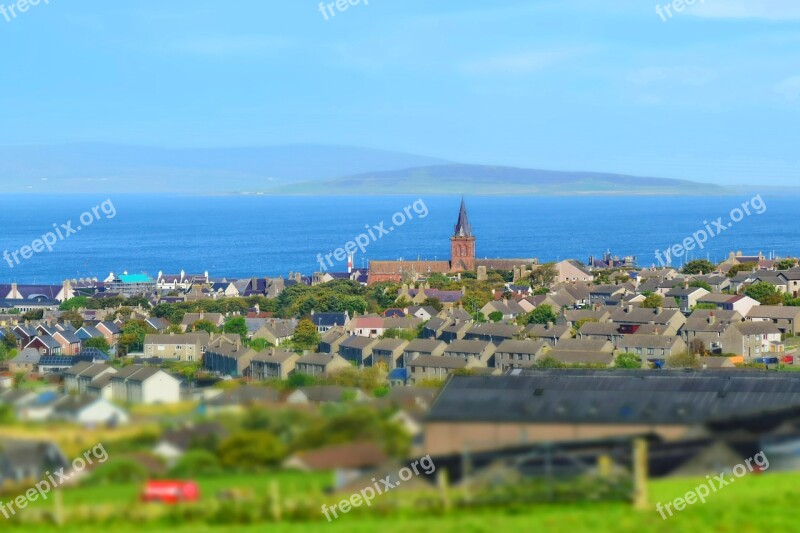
column 56, row 360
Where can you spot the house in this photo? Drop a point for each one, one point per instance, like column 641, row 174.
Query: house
column 175, row 443
column 687, row 297
column 729, row 302
column 496, row 333
column 46, row 345
column 90, row 411
column 273, row 364
column 651, row 346
column 78, row 377
column 582, row 357
column 669, row 321
column 422, row 347
column 24, row 460
column 276, row 331
column 158, row 324
column 481, row 351
column 518, row 354
column 757, row 339
column 228, row 357
column 110, row 331
column 325, row 321
column 600, row 330
column 54, row 364
column 423, row 312
column 129, row 285
column 24, row 334
column 348, row 461
column 551, row 333
column 455, row 331
column 136, row 384
column 320, row 364
column 509, row 309
column 574, row 317
column 607, row 294
column 27, row 361
column 101, row 387
column 713, row 329
column 326, row 394
column 786, row 318
column 70, row 343
column 88, row 332
column 389, row 352
column 358, row 350
column 190, row 319
column 431, row 367
column 187, row 347
column 332, row 339
column 367, row 326
column 570, row 271
column 434, row 327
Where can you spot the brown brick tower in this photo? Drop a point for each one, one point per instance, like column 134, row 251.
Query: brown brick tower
column 462, row 244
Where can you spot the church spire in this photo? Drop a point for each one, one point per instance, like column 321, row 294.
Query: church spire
column 463, row 229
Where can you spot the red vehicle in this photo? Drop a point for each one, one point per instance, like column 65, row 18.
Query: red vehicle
column 171, row 492
column 788, row 359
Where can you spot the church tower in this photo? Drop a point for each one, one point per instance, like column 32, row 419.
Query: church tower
column 462, row 244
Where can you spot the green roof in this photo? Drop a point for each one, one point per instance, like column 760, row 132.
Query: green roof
column 135, row 278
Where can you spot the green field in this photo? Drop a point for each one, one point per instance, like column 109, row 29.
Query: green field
column 754, row 503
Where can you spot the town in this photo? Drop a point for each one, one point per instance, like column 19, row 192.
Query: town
column 243, row 372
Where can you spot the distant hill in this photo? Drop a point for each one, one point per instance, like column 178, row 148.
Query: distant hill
column 108, row 168
column 487, row 180
column 294, row 170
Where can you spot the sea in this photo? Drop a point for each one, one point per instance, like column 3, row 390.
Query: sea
column 248, row 236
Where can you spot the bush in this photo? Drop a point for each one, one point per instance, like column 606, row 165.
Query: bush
column 197, row 463
column 118, row 471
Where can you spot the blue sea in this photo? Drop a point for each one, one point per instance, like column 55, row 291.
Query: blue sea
column 244, row 236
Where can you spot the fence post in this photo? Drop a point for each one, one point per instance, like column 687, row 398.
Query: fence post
column 640, row 474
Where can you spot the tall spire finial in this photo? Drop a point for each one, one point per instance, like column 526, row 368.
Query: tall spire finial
column 463, row 228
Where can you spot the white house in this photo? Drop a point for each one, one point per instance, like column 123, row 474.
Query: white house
column 144, row 385
column 90, row 411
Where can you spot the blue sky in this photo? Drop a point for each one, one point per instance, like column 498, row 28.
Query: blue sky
column 711, row 94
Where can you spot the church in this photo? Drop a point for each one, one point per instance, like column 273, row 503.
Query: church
column 462, row 259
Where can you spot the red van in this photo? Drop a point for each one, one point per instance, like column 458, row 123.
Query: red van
column 171, row 492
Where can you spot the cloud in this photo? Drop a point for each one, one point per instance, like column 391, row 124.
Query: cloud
column 746, row 9
column 694, row 76
column 518, row 63
column 789, row 88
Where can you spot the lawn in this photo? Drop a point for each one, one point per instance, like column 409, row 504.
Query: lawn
column 755, row 503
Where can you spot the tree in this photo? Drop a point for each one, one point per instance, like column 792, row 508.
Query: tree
column 204, row 325
column 306, row 336
column 236, row 325
column 683, row 360
column 701, row 285
column 78, row 302
column 173, row 329
column 653, row 301
column 496, row 316
column 628, row 360
column 743, row 267
column 33, row 314
column 433, row 302
column 132, row 335
column 786, row 264
column 541, row 315
column 697, row 346
column 297, row 380
column 73, row 317
column 196, row 463
column 97, row 342
column 765, row 293
column 259, row 344
column 698, row 266
column 252, row 449
column 544, row 275
column 548, row 362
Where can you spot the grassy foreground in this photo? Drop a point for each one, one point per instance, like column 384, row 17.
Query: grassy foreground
column 754, row 503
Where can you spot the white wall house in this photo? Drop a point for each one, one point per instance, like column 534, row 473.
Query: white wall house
column 144, row 385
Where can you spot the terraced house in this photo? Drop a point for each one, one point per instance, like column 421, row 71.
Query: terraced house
column 188, row 347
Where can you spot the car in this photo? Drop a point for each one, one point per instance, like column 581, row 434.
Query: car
column 170, row 492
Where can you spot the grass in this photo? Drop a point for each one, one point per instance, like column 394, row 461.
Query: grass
column 754, row 503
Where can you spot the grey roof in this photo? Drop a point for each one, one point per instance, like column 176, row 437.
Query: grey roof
column 581, row 357
column 757, row 328
column 28, row 356
column 774, row 311
column 614, row 396
column 136, row 373
column 390, row 345
column 274, row 356
column 358, row 342
column 468, row 346
column 585, row 345
column 424, row 345
column 319, row 359
column 647, row 341
column 438, row 362
column 523, row 347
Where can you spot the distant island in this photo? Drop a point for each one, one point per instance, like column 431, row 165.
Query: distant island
column 298, row 170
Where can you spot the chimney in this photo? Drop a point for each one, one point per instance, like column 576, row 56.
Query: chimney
column 659, row 310
column 549, row 326
column 629, row 308
column 711, row 318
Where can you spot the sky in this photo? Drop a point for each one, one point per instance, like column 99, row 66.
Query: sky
column 710, row 93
